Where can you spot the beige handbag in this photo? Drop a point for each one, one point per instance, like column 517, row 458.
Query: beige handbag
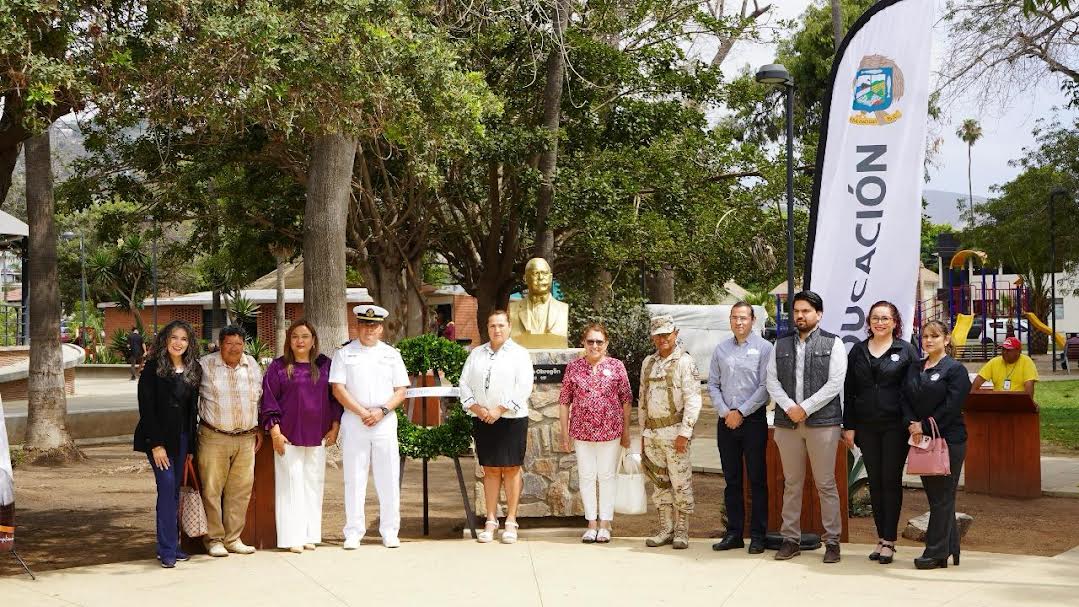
column 192, row 512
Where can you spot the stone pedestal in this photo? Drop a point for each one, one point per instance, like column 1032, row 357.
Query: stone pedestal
column 550, row 475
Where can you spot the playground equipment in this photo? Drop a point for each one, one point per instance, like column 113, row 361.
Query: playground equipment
column 1041, row 327
column 981, row 315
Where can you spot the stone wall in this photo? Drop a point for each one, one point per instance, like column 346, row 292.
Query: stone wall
column 550, row 475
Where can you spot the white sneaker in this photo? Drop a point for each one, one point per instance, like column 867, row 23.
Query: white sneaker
column 240, row 548
column 391, row 542
column 217, row 549
column 488, row 534
column 351, row 543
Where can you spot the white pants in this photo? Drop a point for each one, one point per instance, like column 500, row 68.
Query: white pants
column 364, row 448
column 299, row 477
column 597, row 461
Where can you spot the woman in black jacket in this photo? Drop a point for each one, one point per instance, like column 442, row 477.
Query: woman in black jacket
column 943, row 388
column 168, row 408
column 882, row 373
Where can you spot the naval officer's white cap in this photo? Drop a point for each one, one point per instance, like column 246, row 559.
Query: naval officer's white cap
column 370, row 313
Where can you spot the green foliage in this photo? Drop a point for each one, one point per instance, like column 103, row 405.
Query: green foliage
column 118, row 344
column 258, row 349
column 1058, row 404
column 244, row 311
column 428, row 352
column 454, row 436
column 627, row 322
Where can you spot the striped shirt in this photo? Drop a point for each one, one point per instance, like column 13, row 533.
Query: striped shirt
column 229, row 396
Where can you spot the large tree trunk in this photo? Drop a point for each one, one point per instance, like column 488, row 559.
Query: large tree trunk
column 47, row 439
column 388, row 288
column 837, row 23
column 329, row 189
column 279, row 307
column 660, row 286
column 603, row 291
column 12, row 135
column 552, row 106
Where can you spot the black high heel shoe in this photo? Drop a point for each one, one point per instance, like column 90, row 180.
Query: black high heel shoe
column 925, row 562
column 875, row 555
column 955, row 559
column 885, row 559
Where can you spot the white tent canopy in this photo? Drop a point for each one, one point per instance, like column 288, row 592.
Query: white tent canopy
column 701, row 328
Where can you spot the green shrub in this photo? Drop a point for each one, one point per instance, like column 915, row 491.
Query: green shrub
column 627, row 322
column 118, row 344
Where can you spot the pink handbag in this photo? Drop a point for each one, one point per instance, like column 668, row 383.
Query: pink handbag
column 932, row 460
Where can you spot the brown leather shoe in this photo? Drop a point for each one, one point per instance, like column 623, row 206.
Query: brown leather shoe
column 788, row 550
column 831, row 552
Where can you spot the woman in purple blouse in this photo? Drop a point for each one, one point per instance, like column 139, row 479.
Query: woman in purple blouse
column 302, row 417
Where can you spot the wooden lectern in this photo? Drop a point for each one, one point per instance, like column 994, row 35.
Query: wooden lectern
column 811, row 520
column 1003, row 444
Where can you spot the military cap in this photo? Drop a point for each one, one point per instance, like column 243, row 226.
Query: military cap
column 370, row 313
column 662, row 324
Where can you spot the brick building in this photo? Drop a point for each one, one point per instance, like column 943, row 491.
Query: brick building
column 195, row 308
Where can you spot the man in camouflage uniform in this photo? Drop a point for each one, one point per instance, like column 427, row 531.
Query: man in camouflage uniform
column 670, row 402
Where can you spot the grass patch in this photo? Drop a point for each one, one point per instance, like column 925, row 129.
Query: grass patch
column 1058, row 402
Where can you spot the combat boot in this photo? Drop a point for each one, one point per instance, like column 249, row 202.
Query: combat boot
column 681, row 531
column 666, row 529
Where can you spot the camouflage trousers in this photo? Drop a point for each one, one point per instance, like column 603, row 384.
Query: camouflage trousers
column 671, row 474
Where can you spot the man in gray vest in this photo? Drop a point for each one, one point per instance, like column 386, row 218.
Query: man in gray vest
column 805, row 377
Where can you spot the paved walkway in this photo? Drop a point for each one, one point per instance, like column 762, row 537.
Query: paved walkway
column 91, row 394
column 551, row 572
column 1060, row 475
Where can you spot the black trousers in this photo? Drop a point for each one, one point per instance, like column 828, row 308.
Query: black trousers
column 884, row 451
column 746, row 443
column 942, row 536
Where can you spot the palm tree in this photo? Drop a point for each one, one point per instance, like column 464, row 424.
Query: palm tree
column 970, row 131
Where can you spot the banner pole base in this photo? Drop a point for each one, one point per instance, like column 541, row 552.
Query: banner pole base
column 23, row 563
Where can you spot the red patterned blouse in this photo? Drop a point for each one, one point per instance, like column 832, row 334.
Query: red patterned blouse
column 595, row 396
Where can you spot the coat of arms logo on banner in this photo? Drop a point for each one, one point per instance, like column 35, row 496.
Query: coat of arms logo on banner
column 878, row 86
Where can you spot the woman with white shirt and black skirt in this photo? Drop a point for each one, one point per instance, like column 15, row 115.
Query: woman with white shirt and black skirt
column 496, row 383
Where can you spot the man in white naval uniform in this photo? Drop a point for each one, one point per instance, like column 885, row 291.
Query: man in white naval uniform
column 369, row 380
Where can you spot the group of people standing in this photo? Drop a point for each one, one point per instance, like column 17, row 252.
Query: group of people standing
column 881, row 397
column 215, row 409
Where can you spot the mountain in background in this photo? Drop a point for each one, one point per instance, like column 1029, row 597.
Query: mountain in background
column 943, row 207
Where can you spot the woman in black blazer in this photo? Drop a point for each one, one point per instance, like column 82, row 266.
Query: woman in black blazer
column 882, row 374
column 943, row 388
column 168, row 409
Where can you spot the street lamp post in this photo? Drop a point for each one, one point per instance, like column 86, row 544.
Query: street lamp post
column 82, row 266
column 1057, row 192
column 778, row 75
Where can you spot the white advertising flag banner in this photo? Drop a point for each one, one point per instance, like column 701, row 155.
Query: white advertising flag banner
column 865, row 221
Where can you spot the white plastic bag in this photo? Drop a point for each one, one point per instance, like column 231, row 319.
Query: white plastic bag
column 630, row 497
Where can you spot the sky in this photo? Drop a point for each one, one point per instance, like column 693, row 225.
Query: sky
column 1006, row 130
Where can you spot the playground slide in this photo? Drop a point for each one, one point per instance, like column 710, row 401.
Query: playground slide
column 962, row 329
column 1038, row 325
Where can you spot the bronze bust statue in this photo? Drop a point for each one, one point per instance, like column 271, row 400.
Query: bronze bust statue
column 539, row 321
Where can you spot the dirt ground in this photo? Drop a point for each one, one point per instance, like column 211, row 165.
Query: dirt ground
column 101, row 511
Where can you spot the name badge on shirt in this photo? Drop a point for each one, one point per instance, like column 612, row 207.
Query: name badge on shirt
column 606, row 373
column 934, row 377
column 1007, row 384
column 895, row 358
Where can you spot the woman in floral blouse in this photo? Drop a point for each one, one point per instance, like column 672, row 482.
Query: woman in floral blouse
column 594, row 415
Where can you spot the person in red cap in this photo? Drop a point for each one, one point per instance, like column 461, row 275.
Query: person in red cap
column 1011, row 371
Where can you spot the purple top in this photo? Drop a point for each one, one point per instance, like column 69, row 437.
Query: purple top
column 304, row 409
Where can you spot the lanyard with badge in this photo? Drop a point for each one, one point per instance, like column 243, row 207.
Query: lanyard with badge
column 1008, row 378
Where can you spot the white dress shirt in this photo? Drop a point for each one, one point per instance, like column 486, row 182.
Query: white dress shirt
column 498, row 377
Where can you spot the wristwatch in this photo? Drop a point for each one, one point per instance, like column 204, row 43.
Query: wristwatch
column 385, row 411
